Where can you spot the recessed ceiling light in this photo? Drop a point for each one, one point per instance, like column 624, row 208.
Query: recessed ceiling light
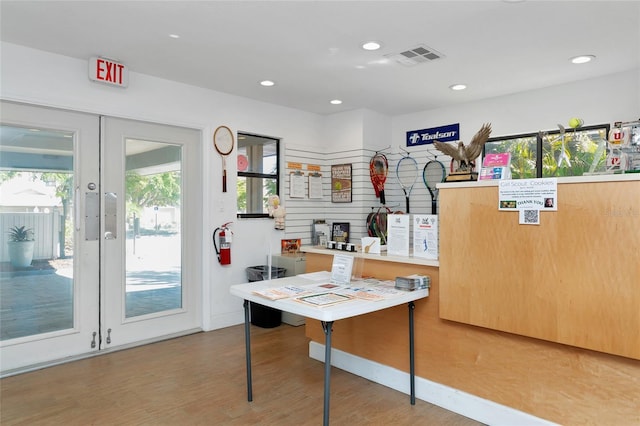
column 582, row 59
column 336, row 102
column 174, row 36
column 458, row 87
column 371, row 45
column 267, row 83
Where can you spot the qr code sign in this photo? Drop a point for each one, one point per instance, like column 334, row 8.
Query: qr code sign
column 530, row 217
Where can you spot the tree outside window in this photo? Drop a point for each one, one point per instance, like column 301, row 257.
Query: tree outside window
column 546, row 154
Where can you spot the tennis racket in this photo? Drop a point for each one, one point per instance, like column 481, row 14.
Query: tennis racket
column 378, row 170
column 223, row 142
column 377, row 224
column 407, row 173
column 432, row 174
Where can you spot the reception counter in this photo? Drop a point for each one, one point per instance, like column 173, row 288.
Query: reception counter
column 558, row 382
column 574, row 278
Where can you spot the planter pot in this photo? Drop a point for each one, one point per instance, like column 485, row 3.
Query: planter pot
column 21, row 253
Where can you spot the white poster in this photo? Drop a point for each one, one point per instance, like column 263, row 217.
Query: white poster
column 296, row 185
column 398, row 234
column 425, row 236
column 315, row 186
column 528, row 194
column 341, row 269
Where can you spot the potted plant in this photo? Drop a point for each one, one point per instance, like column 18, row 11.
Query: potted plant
column 21, row 245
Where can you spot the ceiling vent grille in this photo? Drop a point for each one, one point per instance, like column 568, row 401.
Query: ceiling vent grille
column 417, row 55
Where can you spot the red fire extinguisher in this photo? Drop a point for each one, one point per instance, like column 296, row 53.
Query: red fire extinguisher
column 223, row 250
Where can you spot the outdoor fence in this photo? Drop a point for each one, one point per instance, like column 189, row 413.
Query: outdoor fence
column 46, row 232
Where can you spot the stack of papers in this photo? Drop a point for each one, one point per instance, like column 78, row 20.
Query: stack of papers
column 327, row 294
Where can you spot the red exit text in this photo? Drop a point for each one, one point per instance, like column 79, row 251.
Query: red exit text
column 107, row 71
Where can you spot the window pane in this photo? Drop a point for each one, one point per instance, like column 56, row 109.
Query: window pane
column 253, row 193
column 154, row 242
column 258, row 154
column 36, row 221
column 258, row 172
column 574, row 153
column 523, row 154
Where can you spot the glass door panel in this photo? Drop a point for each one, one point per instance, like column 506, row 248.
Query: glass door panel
column 36, row 188
column 153, row 214
column 49, row 182
column 152, row 251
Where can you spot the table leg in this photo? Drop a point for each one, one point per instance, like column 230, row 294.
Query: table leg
column 327, row 328
column 247, row 344
column 412, row 359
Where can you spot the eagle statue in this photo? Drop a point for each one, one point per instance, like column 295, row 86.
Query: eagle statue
column 465, row 155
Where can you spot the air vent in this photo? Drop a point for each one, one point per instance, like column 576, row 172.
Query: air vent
column 416, row 56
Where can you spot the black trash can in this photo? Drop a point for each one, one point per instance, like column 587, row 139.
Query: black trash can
column 264, row 316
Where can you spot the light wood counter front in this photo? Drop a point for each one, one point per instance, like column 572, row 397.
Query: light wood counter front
column 556, row 382
column 573, row 279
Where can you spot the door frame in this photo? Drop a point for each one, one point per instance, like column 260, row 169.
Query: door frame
column 128, row 331
column 38, row 351
column 26, row 352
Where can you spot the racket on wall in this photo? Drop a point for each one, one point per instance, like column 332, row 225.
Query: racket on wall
column 377, row 224
column 407, row 173
column 378, row 170
column 432, row 174
column 223, row 142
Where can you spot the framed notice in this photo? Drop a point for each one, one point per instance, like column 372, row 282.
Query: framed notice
column 340, row 232
column 341, row 183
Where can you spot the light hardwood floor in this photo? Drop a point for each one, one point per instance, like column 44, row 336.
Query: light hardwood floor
column 200, row 380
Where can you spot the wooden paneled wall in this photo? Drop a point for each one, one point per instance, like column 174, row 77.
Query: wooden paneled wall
column 560, row 383
column 573, row 279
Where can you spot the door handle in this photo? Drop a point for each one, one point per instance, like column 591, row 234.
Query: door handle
column 76, row 209
column 110, row 216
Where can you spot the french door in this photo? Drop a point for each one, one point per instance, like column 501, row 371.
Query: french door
column 113, row 210
column 151, row 238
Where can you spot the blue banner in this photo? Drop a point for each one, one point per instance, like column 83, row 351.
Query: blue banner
column 447, row 133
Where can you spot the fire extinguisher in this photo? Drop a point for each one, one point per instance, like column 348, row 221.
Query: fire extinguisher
column 223, row 250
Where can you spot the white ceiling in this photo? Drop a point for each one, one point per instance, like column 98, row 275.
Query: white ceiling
column 311, row 48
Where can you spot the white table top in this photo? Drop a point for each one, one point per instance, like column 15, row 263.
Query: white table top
column 350, row 308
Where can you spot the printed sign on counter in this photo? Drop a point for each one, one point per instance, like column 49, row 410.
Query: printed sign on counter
column 528, row 194
column 425, row 236
column 398, row 234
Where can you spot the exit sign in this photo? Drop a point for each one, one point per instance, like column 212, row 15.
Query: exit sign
column 110, row 72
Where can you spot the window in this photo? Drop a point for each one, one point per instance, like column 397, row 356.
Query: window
column 258, row 174
column 550, row 154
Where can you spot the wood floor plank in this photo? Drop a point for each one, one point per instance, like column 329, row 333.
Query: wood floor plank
column 200, row 380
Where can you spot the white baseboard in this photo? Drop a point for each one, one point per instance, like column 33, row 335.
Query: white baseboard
column 463, row 403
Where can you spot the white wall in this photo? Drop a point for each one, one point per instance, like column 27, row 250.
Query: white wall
column 601, row 100
column 597, row 101
column 46, row 79
column 42, row 78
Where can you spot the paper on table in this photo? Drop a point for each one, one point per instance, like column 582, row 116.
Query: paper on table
column 372, row 291
column 324, row 299
column 317, row 276
column 283, row 292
